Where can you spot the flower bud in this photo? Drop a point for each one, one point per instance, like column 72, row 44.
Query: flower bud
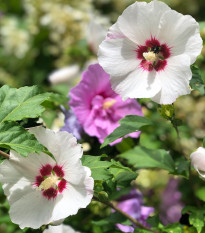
column 103, row 196
column 166, row 111
column 198, row 161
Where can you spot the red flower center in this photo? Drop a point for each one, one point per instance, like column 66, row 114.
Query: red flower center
column 156, row 55
column 50, row 181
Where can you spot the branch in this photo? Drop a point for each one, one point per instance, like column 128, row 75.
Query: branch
column 134, row 221
column 5, row 155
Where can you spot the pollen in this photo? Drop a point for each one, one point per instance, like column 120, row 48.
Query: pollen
column 49, row 182
column 108, row 104
column 150, row 56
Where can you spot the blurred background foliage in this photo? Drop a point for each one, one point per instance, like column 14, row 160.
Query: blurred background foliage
column 40, row 36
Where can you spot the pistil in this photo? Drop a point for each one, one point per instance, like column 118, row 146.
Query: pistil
column 108, row 104
column 150, row 56
column 49, row 182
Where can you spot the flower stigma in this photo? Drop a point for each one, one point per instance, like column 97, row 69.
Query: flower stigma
column 49, row 182
column 150, row 56
column 108, row 104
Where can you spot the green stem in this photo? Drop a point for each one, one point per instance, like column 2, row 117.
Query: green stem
column 177, row 131
column 173, row 121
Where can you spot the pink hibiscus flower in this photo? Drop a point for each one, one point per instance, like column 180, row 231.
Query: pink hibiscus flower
column 97, row 107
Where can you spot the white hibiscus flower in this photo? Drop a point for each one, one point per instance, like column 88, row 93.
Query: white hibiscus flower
column 198, row 161
column 60, row 229
column 41, row 190
column 149, row 50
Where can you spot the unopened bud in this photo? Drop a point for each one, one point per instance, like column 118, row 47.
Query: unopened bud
column 103, row 196
column 198, row 161
column 166, row 111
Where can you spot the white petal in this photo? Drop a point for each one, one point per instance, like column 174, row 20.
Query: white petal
column 60, row 229
column 198, row 159
column 181, row 33
column 137, row 84
column 22, row 171
column 114, row 32
column 62, row 145
column 96, row 33
column 140, row 20
column 118, row 56
column 74, row 197
column 64, row 75
column 174, row 79
column 32, row 210
column 75, row 173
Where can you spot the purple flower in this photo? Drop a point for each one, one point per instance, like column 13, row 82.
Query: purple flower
column 71, row 124
column 171, row 204
column 97, row 107
column 132, row 204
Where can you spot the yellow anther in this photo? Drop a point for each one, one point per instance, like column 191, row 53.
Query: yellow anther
column 108, row 104
column 150, row 56
column 49, row 182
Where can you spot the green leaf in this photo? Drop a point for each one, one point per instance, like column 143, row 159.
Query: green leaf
column 172, row 228
column 196, row 82
column 182, row 168
column 196, row 216
column 153, row 221
column 17, row 104
column 113, row 218
column 141, row 157
column 55, row 100
column 14, row 137
column 138, row 230
column 197, row 220
column 129, row 124
column 123, row 179
column 58, row 98
column 200, row 193
column 99, row 169
column 122, row 175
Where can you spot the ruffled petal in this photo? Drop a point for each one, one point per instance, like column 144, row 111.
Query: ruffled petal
column 90, row 86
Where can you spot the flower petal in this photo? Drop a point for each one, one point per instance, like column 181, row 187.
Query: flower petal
column 60, row 229
column 65, row 149
column 118, row 56
column 174, row 80
column 87, row 89
column 198, row 160
column 31, row 210
column 137, row 84
column 22, row 172
column 140, row 20
column 181, row 33
column 74, row 197
column 114, row 32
